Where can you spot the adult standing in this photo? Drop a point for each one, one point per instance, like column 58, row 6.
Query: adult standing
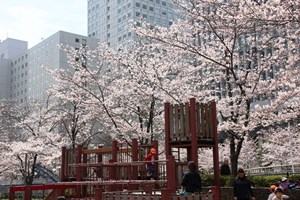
column 225, row 169
column 242, row 187
column 191, row 181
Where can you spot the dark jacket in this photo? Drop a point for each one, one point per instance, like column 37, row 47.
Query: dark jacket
column 242, row 188
column 225, row 170
column 192, row 182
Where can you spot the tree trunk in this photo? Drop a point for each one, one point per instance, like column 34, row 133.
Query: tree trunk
column 235, row 150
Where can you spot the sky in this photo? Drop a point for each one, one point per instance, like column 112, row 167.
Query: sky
column 35, row 20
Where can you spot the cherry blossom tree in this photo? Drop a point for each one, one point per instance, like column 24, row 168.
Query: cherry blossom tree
column 281, row 147
column 244, row 55
column 111, row 86
column 28, row 141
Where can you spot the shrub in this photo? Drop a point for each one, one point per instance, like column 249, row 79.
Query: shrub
column 257, row 181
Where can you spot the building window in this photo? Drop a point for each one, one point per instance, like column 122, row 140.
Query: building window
column 151, row 8
column 108, row 35
column 163, row 3
column 119, row 39
column 119, row 10
column 129, row 14
column 108, row 8
column 157, row 1
column 164, row 12
column 76, row 40
column 108, row 17
column 144, row 6
column 83, row 41
column 157, row 10
column 137, row 14
column 128, row 5
column 129, row 34
column 144, row 16
column 119, row 20
column 108, row 26
column 137, row 4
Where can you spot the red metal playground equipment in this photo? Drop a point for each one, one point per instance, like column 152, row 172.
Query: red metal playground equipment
column 119, row 171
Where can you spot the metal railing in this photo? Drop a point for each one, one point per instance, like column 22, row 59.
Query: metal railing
column 275, row 170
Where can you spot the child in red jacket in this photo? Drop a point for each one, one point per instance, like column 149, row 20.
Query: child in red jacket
column 150, row 165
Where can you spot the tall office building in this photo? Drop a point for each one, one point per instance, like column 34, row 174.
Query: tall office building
column 9, row 49
column 48, row 54
column 22, row 70
column 108, row 20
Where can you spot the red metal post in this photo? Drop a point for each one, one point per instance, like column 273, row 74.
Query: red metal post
column 27, row 193
column 114, row 147
column 99, row 170
column 78, row 170
column 98, row 193
column 148, row 189
column 167, row 129
column 135, row 150
column 63, row 164
column 112, row 175
column 193, row 129
column 155, row 146
column 84, row 174
column 78, row 161
column 166, row 194
column 135, row 157
column 113, row 168
column 217, row 190
column 11, row 193
column 171, row 173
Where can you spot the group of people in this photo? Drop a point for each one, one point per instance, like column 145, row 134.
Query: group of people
column 191, row 180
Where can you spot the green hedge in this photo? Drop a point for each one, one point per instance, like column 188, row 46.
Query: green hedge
column 257, row 181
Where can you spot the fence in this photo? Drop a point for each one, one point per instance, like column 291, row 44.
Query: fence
column 275, row 170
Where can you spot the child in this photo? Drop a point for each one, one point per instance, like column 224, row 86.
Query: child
column 150, row 165
column 278, row 194
column 272, row 195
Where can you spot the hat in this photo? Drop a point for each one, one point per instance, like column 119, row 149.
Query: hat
column 240, row 170
column 272, row 188
column 283, row 179
column 153, row 151
column 278, row 189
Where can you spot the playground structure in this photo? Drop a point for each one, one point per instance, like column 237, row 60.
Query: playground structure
column 119, row 171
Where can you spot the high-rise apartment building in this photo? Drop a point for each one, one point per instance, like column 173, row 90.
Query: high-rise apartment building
column 108, row 20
